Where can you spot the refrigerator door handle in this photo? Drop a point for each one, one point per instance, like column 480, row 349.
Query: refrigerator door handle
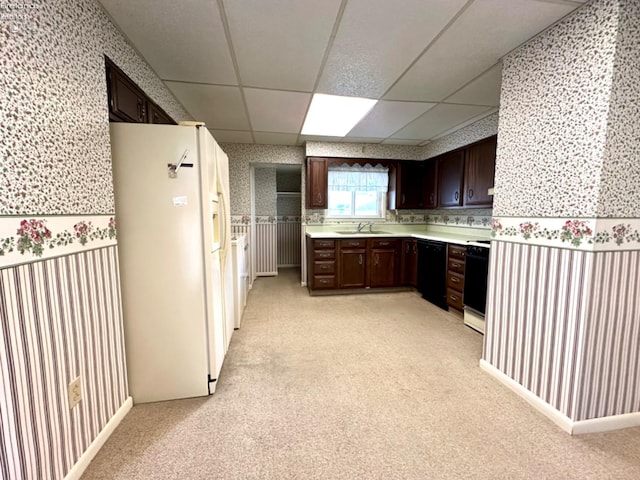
column 223, row 222
column 174, row 167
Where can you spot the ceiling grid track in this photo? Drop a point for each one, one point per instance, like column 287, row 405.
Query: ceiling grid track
column 234, row 60
column 332, row 37
column 419, row 56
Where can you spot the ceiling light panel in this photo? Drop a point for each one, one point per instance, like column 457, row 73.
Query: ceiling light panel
column 486, row 31
column 219, row 107
column 378, row 39
column 180, row 40
column 333, row 115
column 275, row 110
column 437, row 120
column 386, row 118
column 280, row 43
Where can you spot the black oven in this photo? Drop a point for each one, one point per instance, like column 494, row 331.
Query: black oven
column 475, row 278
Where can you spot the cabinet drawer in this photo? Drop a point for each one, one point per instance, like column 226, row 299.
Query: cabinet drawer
column 458, row 252
column 384, row 243
column 324, row 281
column 455, row 281
column 454, row 299
column 324, row 268
column 322, row 244
column 456, row 265
column 324, row 254
column 353, row 243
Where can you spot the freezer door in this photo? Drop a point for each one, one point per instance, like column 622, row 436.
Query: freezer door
column 161, row 261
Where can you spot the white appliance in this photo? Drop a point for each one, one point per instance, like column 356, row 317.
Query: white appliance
column 239, row 248
column 171, row 189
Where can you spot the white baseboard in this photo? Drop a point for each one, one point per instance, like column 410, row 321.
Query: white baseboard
column 594, row 425
column 83, row 462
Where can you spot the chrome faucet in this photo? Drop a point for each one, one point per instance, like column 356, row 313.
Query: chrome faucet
column 361, row 226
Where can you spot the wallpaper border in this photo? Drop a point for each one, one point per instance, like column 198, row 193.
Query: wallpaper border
column 588, row 234
column 31, row 238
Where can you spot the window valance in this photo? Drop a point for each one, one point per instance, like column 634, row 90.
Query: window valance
column 358, row 177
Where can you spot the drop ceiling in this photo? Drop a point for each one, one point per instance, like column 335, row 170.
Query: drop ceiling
column 248, row 68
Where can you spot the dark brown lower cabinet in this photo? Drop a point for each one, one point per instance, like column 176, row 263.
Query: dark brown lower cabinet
column 353, row 263
column 409, row 262
column 384, row 263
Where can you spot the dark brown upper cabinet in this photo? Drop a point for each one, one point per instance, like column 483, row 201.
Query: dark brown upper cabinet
column 157, row 115
column 479, row 171
column 409, row 192
column 450, row 178
column 316, row 191
column 430, row 183
column 127, row 101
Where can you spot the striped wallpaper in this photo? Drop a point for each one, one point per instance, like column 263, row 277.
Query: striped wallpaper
column 266, row 249
column 59, row 318
column 564, row 324
column 288, row 244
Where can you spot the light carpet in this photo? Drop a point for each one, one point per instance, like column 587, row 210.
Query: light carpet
column 373, row 386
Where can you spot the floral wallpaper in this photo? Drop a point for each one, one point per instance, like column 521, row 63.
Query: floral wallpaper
column 241, row 156
column 474, row 132
column 265, row 191
column 619, row 194
column 554, row 108
column 363, row 150
column 55, row 144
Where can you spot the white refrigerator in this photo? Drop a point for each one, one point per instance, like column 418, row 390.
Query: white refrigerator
column 171, row 187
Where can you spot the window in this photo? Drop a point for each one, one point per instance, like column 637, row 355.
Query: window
column 357, row 191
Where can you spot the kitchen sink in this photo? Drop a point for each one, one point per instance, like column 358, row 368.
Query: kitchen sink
column 365, row 232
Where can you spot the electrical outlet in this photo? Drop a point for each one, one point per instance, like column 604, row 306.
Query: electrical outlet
column 75, row 392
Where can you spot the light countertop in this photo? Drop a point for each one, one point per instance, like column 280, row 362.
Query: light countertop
column 456, row 235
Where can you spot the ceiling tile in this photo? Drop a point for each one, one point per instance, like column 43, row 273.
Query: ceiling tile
column 485, row 32
column 386, row 118
column 219, row 107
column 484, row 90
column 276, row 110
column 375, row 43
column 230, row 136
column 180, row 40
column 437, row 120
column 270, row 138
column 280, row 43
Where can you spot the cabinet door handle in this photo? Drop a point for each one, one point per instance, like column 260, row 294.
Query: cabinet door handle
column 455, row 280
column 384, row 244
column 431, row 199
column 470, row 193
column 377, row 260
column 407, row 249
column 415, row 248
column 319, row 197
column 456, row 196
column 453, row 298
column 403, row 198
column 360, row 259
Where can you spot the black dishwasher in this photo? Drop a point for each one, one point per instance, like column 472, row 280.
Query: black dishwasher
column 475, row 278
column 432, row 271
